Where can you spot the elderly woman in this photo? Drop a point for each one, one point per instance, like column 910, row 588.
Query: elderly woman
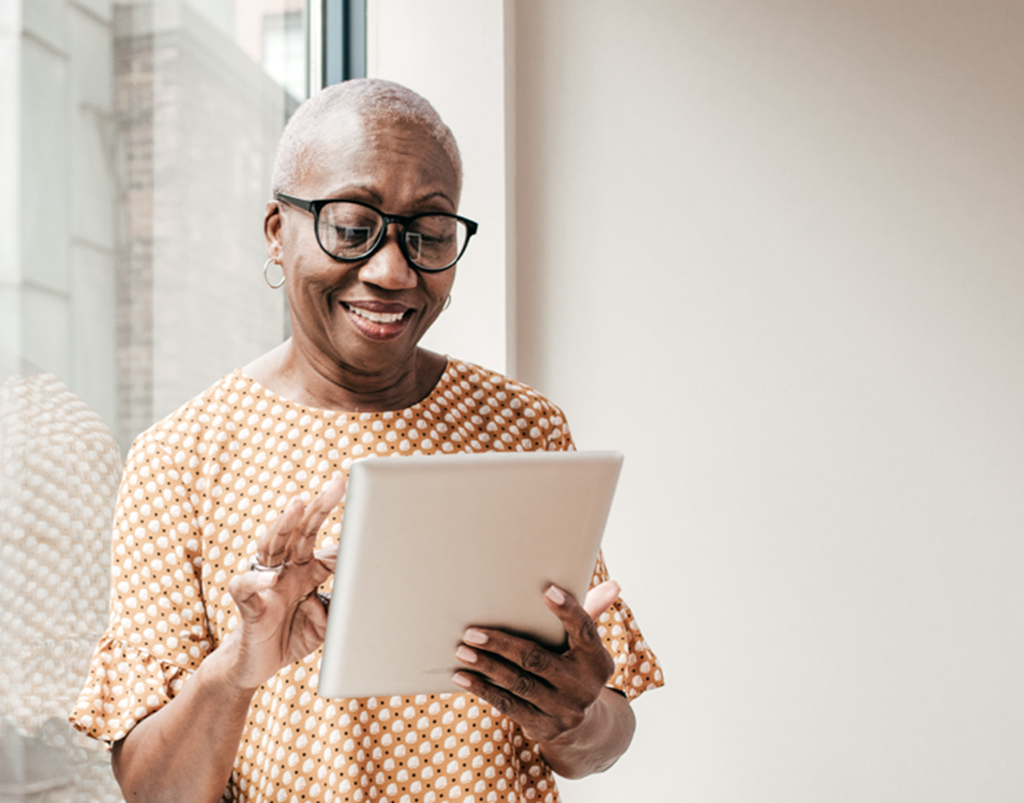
column 206, row 680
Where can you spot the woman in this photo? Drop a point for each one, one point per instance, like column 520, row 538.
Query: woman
column 205, row 682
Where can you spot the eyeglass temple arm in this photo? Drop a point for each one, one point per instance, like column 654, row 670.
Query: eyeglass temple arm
column 293, row 201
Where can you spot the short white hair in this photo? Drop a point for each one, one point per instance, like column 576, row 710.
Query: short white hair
column 373, row 99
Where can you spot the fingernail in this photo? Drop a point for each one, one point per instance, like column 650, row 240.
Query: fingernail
column 464, row 653
column 554, row 593
column 472, row 636
column 460, row 680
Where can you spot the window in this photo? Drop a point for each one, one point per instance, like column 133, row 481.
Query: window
column 284, row 50
column 136, row 145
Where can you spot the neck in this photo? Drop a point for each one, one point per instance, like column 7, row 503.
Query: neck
column 290, row 374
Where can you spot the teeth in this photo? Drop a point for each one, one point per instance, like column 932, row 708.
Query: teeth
column 378, row 317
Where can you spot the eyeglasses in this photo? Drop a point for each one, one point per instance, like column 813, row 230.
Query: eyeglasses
column 350, row 230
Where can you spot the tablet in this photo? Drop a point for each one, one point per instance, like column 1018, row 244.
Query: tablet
column 433, row 544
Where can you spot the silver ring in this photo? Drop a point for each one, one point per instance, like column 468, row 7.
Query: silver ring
column 256, row 566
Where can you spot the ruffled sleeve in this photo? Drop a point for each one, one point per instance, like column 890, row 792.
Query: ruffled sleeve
column 125, row 685
column 158, row 632
column 636, row 666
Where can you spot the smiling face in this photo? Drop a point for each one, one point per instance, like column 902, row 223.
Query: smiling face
column 357, row 324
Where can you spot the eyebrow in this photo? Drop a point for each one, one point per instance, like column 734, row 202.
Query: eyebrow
column 378, row 200
column 435, row 194
column 348, row 188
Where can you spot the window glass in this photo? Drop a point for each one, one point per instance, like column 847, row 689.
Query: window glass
column 136, row 144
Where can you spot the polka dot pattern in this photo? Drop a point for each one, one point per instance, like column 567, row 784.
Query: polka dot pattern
column 200, row 488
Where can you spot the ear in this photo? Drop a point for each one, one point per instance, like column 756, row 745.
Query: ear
column 272, row 223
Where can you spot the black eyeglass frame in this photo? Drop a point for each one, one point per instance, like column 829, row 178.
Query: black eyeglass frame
column 314, row 207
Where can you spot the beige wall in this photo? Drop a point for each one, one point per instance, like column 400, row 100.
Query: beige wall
column 454, row 53
column 773, row 252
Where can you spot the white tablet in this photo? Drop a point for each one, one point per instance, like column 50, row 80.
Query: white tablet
column 432, row 545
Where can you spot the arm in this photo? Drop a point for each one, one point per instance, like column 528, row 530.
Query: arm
column 559, row 699
column 186, row 750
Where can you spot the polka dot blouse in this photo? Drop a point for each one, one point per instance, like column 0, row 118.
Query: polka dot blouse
column 198, row 490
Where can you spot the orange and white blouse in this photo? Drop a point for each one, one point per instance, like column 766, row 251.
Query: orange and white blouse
column 201, row 486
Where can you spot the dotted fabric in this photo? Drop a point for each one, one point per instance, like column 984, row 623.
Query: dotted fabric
column 202, row 486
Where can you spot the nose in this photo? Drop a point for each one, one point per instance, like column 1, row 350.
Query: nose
column 387, row 267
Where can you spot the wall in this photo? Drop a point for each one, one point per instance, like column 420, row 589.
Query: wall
column 773, row 252
column 454, row 53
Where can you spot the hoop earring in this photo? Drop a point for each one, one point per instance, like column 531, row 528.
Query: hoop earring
column 447, row 302
column 266, row 278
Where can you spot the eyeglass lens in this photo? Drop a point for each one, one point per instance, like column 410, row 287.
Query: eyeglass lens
column 350, row 231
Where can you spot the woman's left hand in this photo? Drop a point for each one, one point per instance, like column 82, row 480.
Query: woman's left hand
column 549, row 694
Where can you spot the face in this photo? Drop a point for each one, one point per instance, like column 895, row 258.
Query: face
column 364, row 318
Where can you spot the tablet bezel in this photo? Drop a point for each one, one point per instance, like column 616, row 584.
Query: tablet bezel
column 471, row 539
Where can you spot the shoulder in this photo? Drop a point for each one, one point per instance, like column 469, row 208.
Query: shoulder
column 194, row 422
column 514, row 408
column 484, row 381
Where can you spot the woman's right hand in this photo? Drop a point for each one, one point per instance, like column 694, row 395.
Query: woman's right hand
column 281, row 619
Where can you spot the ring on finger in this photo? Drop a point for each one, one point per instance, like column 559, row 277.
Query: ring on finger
column 256, row 566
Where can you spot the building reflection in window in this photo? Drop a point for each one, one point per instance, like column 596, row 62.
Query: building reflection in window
column 136, row 143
